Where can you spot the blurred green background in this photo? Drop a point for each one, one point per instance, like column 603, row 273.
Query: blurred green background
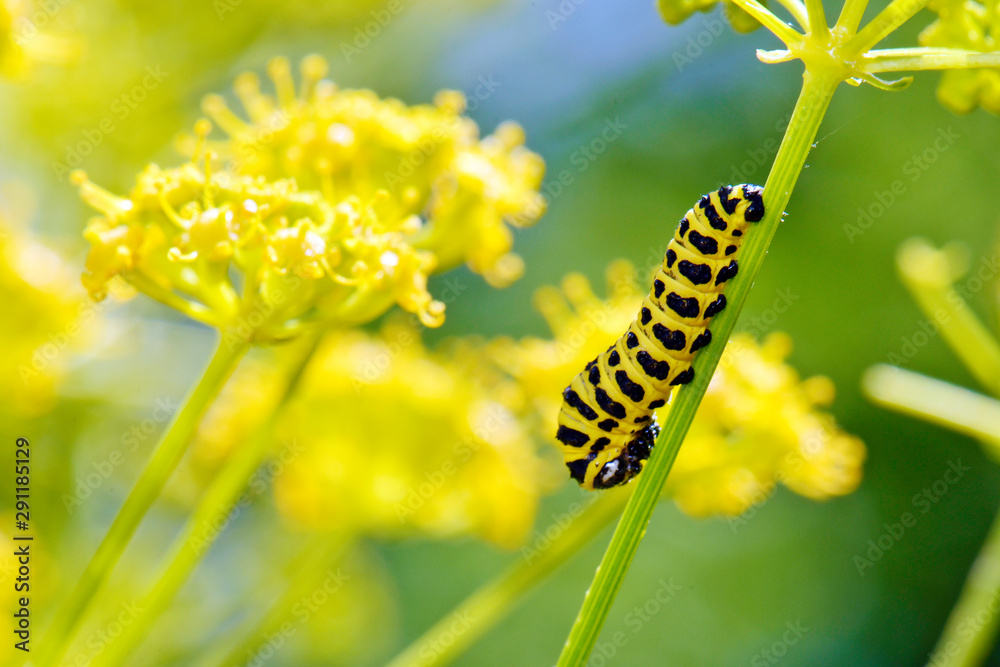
column 686, row 130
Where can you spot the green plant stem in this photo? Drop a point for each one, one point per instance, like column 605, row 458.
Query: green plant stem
column 850, row 15
column 200, row 531
column 147, row 488
column 886, row 22
column 967, row 336
column 976, row 608
column 488, row 605
column 935, row 401
column 817, row 91
column 913, row 60
column 309, row 567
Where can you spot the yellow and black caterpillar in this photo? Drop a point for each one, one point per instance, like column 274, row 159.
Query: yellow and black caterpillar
column 606, row 424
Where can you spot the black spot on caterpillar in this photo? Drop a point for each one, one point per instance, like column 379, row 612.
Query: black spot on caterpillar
column 611, row 402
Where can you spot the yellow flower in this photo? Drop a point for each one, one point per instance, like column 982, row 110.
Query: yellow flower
column 676, row 12
column 757, row 425
column 47, row 312
column 429, row 157
column 396, row 440
column 23, row 43
column 965, row 24
column 181, row 234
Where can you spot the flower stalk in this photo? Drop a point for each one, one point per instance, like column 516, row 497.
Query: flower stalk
column 817, row 91
column 198, row 535
column 492, row 602
column 154, row 476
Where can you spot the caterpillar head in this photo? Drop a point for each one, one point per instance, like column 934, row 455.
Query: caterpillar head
column 753, row 195
column 621, row 469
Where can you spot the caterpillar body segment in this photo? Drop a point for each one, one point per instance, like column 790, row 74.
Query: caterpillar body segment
column 606, row 424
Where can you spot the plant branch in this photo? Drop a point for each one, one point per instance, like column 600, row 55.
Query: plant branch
column 781, row 30
column 492, row 602
column 888, row 20
column 199, row 533
column 935, row 401
column 914, row 60
column 818, row 88
column 147, row 488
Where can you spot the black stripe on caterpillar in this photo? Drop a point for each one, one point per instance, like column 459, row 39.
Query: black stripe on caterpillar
column 606, row 425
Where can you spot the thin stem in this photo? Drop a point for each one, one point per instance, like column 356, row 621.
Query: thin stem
column 936, row 401
column 913, row 60
column 817, row 91
column 781, row 30
column 491, row 603
column 200, row 531
column 896, row 14
column 147, row 488
column 817, row 20
column 976, row 609
column 926, row 275
column 850, row 16
column 798, row 12
column 310, row 567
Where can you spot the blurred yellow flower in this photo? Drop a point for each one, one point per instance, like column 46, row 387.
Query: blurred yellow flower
column 301, row 259
column 351, row 142
column 396, row 440
column 675, row 12
column 966, row 24
column 49, row 313
column 757, row 425
column 24, row 40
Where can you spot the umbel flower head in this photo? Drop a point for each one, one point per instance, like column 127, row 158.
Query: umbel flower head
column 757, row 425
column 971, row 25
column 258, row 258
column 393, row 440
column 428, row 157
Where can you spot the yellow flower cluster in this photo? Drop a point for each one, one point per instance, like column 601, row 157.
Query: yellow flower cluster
column 966, row 24
column 47, row 312
column 386, row 438
column 316, row 217
column 301, row 259
column 675, row 12
column 758, row 424
column 428, row 157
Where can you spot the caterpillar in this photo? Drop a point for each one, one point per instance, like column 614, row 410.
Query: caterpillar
column 606, row 424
